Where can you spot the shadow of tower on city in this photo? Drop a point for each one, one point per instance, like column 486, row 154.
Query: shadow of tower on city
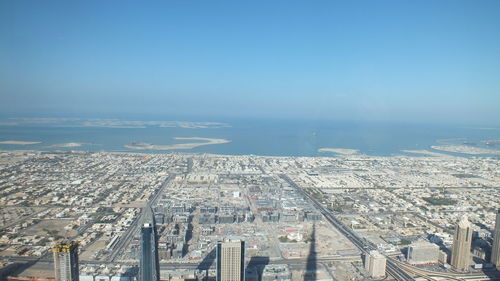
column 258, row 263
column 311, row 265
column 15, row 268
column 131, row 271
column 207, row 262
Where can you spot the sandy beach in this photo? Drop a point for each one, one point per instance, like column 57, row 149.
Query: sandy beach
column 177, row 146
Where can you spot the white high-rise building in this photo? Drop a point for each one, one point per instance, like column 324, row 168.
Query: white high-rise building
column 375, row 264
column 231, row 260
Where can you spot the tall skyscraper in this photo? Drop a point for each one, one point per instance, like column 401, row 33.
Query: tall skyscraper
column 495, row 251
column 231, row 260
column 66, row 261
column 460, row 253
column 149, row 264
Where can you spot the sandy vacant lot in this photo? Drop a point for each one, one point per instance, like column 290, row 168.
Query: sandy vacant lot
column 58, row 225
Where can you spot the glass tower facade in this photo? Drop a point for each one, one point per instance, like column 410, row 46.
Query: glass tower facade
column 150, row 267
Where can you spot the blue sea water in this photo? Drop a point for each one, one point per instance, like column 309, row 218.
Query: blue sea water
column 257, row 137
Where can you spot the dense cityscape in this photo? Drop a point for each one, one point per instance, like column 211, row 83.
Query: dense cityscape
column 96, row 216
column 262, row 140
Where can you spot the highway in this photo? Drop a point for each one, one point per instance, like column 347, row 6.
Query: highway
column 396, row 269
column 298, row 264
column 364, row 245
column 124, row 240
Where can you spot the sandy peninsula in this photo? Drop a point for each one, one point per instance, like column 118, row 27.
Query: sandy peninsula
column 342, row 151
column 15, row 142
column 177, row 146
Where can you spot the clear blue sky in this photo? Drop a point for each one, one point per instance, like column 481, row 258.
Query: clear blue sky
column 419, row 60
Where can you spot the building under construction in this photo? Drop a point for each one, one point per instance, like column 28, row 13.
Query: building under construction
column 66, row 261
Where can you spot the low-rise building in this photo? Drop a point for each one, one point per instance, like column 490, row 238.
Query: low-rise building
column 422, row 252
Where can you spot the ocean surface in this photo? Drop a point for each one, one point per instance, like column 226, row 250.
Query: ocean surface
column 257, row 137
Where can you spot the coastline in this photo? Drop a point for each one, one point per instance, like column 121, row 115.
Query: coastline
column 427, row 153
column 465, row 149
column 268, row 141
